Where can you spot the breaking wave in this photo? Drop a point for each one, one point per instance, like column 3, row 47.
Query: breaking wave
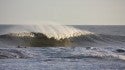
column 56, row 31
column 41, row 40
column 52, row 36
column 36, row 35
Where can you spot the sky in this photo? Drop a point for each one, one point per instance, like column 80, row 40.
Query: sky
column 65, row 12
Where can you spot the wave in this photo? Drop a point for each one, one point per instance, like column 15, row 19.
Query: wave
column 61, row 42
column 40, row 35
column 55, row 35
column 56, row 31
column 33, row 39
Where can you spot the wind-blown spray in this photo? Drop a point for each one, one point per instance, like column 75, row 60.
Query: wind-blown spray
column 55, row 31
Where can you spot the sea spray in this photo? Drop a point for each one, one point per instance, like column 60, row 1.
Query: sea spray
column 42, row 35
column 60, row 31
column 55, row 31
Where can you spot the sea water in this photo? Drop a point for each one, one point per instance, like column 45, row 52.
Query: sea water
column 90, row 53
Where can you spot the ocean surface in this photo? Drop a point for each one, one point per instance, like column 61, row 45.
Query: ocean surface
column 59, row 47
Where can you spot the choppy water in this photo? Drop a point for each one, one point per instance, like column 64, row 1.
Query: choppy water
column 94, row 48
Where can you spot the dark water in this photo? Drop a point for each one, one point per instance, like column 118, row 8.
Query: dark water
column 104, row 29
column 96, row 51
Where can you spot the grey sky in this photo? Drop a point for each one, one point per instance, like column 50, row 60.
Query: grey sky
column 63, row 11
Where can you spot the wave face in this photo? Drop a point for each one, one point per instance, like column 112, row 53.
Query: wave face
column 50, row 35
column 41, row 40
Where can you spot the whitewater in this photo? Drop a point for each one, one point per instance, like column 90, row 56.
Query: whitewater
column 54, row 47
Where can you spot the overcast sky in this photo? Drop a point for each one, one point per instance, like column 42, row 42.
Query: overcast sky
column 85, row 12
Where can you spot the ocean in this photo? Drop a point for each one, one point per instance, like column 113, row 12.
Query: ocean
column 62, row 47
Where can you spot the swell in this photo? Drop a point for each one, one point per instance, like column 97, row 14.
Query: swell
column 99, row 39
column 61, row 52
column 81, row 53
